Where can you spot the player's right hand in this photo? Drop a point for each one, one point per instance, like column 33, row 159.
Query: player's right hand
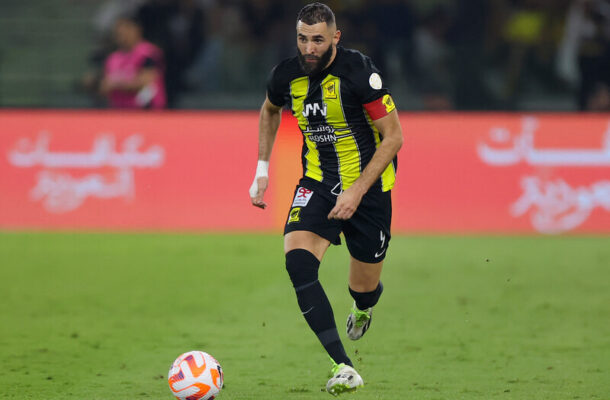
column 257, row 191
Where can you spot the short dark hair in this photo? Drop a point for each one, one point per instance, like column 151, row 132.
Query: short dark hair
column 315, row 13
column 131, row 18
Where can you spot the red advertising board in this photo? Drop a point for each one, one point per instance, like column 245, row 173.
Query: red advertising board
column 458, row 173
column 128, row 170
column 504, row 173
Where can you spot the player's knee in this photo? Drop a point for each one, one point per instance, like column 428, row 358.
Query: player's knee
column 302, row 267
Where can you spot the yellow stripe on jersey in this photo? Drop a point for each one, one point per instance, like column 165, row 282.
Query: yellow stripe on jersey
column 388, row 176
column 298, row 90
column 346, row 146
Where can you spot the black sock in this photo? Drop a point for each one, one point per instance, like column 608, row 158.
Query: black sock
column 367, row 299
column 302, row 266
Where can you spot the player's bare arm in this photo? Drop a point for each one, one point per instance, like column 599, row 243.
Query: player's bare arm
column 269, row 122
column 391, row 131
column 145, row 77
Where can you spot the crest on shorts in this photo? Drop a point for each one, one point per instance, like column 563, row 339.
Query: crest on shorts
column 329, row 90
column 295, row 215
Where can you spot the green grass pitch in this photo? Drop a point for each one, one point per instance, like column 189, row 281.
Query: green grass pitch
column 102, row 316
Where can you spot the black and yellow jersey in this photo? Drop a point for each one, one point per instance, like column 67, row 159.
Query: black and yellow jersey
column 335, row 111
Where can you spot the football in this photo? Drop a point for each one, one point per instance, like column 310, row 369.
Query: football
column 195, row 375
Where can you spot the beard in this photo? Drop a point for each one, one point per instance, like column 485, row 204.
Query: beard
column 317, row 67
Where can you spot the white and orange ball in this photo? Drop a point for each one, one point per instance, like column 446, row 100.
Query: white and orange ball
column 195, row 375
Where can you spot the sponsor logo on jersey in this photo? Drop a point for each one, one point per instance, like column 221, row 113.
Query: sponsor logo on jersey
column 388, row 103
column 329, row 90
column 295, row 215
column 321, row 134
column 314, row 109
column 302, row 197
column 319, row 129
column 322, row 138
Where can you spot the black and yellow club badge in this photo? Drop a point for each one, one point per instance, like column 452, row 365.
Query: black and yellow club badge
column 329, row 90
column 388, row 103
column 295, row 215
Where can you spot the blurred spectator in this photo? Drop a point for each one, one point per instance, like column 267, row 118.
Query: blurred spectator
column 599, row 98
column 584, row 54
column 133, row 75
column 432, row 59
column 388, row 27
column 222, row 25
column 262, row 16
column 467, row 39
column 268, row 24
column 530, row 31
column 177, row 27
column 92, row 78
column 104, row 21
column 436, row 54
column 110, row 11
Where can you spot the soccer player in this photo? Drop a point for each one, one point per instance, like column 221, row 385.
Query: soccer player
column 351, row 135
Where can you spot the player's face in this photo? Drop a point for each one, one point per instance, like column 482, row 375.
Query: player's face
column 126, row 34
column 316, row 46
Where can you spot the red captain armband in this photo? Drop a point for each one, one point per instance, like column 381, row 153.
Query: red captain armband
column 380, row 107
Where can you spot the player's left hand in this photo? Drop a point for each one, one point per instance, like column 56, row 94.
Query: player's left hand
column 347, row 203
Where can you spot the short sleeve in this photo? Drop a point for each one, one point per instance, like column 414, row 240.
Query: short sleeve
column 371, row 90
column 368, row 82
column 276, row 88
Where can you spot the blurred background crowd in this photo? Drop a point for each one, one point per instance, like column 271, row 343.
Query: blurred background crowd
column 529, row 55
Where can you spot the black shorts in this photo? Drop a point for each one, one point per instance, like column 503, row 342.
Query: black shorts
column 367, row 232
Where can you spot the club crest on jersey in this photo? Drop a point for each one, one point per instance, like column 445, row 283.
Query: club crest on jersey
column 314, row 109
column 329, row 90
column 295, row 215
